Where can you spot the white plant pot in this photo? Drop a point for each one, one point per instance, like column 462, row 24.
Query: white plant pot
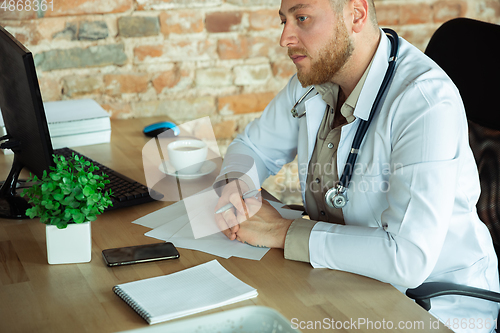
column 70, row 245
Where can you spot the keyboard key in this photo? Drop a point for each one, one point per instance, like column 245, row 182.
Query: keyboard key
column 126, row 191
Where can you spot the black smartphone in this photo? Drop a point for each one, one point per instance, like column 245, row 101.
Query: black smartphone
column 140, row 253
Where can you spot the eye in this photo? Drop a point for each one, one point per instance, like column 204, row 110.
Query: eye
column 283, row 22
column 301, row 18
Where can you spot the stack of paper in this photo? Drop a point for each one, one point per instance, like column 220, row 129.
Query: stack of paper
column 73, row 123
column 190, row 224
column 190, row 291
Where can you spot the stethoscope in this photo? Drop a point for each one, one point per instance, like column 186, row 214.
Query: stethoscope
column 336, row 196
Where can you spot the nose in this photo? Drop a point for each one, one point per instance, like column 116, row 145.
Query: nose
column 288, row 36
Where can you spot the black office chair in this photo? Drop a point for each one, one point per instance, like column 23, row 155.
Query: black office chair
column 469, row 52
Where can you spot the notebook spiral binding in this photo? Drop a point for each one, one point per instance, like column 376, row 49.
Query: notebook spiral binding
column 136, row 307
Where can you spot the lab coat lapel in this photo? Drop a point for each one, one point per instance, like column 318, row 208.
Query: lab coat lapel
column 365, row 100
column 315, row 109
column 374, row 78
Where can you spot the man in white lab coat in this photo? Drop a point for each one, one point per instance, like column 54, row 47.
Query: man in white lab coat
column 410, row 216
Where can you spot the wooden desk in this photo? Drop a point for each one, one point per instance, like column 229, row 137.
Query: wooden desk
column 38, row 297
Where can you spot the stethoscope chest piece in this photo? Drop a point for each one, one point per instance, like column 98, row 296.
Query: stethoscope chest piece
column 335, row 197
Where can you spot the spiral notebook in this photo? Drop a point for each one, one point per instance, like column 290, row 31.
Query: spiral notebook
column 183, row 293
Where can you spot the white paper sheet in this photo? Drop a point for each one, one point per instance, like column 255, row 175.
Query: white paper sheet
column 162, row 216
column 173, row 224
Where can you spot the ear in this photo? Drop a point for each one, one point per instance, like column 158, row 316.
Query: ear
column 358, row 14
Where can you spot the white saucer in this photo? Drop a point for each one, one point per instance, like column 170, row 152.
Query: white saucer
column 206, row 168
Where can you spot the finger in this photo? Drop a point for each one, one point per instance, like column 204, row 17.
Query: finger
column 241, row 217
column 231, row 222
column 229, row 234
column 223, row 226
column 235, row 228
column 230, row 217
column 238, row 202
column 253, row 205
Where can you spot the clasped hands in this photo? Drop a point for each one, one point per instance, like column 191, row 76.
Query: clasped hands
column 252, row 221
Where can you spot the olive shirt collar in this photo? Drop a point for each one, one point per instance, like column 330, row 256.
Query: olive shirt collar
column 329, row 92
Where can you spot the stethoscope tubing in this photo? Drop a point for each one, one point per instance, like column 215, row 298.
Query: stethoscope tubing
column 364, row 124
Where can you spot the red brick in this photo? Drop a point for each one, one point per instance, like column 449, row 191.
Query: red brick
column 145, row 51
column 50, row 88
column 245, row 103
column 223, row 21
column 22, row 38
column 117, row 84
column 264, row 19
column 415, row 13
column 447, row 10
column 387, row 13
column 83, row 7
column 225, row 129
column 168, row 79
column 49, row 27
column 260, row 46
column 181, row 22
column 232, row 48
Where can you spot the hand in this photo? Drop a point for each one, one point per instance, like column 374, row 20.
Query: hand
column 265, row 227
column 228, row 221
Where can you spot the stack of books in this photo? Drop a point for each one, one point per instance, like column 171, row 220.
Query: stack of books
column 73, row 123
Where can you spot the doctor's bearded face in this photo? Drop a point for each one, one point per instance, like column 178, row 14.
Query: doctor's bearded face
column 317, row 39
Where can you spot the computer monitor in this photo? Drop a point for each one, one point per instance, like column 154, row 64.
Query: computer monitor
column 25, row 122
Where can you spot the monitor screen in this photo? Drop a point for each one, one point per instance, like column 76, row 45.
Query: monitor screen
column 22, row 109
column 21, row 105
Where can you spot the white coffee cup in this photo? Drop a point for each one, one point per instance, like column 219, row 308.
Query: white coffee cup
column 187, row 156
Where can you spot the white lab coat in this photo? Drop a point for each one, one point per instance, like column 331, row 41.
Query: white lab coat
column 411, row 214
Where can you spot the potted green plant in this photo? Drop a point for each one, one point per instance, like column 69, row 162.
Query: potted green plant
column 67, row 199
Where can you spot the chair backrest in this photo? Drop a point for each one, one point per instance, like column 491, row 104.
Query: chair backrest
column 469, row 52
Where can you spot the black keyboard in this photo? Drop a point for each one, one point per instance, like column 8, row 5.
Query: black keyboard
column 126, row 192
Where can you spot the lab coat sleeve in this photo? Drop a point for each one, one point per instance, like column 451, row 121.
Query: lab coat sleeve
column 270, row 141
column 426, row 125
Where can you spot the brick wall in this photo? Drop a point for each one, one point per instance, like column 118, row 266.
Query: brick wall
column 188, row 59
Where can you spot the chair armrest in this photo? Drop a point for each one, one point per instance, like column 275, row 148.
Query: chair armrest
column 423, row 293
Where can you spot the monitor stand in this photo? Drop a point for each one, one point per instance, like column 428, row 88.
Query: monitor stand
column 11, row 205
